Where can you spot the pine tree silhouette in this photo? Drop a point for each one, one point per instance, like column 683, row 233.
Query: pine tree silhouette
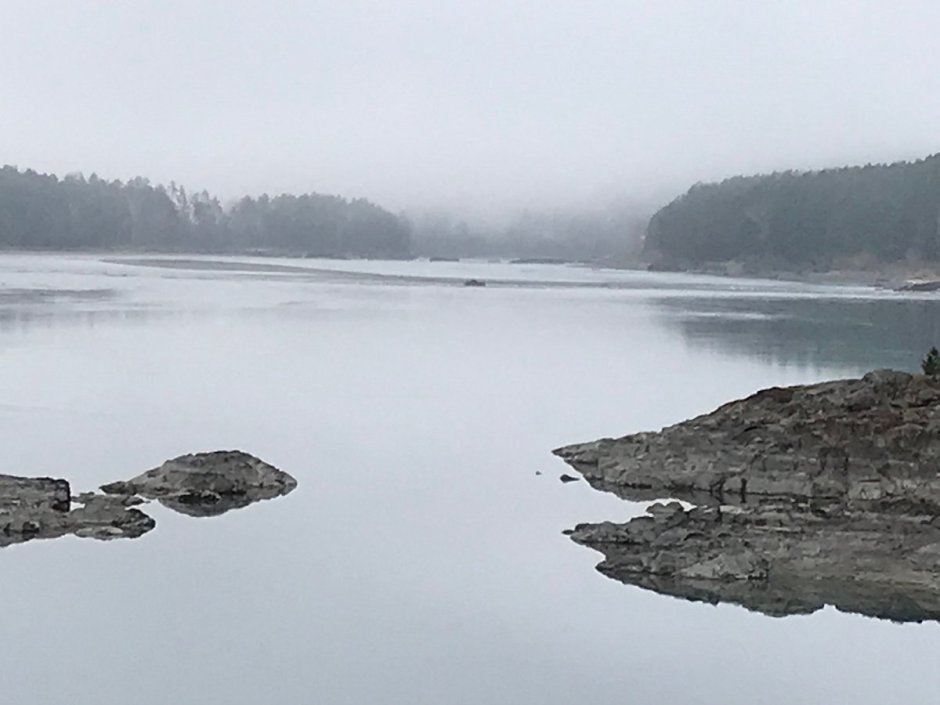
column 931, row 363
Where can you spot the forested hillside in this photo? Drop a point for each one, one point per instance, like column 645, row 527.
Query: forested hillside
column 811, row 219
column 39, row 211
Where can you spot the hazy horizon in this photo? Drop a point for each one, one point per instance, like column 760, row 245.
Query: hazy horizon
column 483, row 111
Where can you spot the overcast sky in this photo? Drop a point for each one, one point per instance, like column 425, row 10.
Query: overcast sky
column 488, row 105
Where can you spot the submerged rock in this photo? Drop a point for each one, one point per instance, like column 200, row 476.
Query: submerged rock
column 808, row 495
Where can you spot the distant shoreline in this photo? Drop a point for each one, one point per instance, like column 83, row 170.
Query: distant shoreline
column 911, row 277
column 923, row 276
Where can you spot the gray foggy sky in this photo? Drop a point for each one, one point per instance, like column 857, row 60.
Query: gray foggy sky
column 491, row 105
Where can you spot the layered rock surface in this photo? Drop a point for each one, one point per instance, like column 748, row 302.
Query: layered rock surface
column 808, row 495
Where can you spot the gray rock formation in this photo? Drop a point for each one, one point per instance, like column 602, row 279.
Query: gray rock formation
column 208, row 484
column 808, row 495
column 205, row 484
column 872, row 443
column 41, row 508
column 920, row 286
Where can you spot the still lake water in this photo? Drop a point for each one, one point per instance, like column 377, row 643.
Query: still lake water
column 421, row 559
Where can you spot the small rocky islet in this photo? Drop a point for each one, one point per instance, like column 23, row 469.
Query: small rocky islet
column 783, row 502
column 200, row 484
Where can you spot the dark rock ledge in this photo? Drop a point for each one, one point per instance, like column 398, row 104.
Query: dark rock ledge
column 203, row 484
column 803, row 496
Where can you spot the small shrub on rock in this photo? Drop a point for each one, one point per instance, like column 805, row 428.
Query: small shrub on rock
column 931, row 362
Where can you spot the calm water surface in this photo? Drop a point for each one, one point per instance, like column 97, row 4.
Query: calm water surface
column 421, row 559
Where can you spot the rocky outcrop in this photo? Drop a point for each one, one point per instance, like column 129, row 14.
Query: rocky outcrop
column 41, row 508
column 208, row 484
column 205, row 484
column 872, row 443
column 806, row 496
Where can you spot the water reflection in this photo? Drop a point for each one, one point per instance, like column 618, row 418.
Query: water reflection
column 209, row 504
column 23, row 296
column 843, row 332
column 20, row 319
column 778, row 559
column 21, row 308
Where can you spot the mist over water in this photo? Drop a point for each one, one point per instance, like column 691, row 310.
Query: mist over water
column 421, row 557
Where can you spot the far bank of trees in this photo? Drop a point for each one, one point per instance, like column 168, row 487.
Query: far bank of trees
column 46, row 212
column 810, row 219
column 41, row 211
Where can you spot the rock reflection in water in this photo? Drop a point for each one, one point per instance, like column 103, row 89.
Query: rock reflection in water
column 202, row 485
column 207, row 504
column 778, row 559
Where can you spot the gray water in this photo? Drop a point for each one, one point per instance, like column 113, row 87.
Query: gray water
column 421, row 559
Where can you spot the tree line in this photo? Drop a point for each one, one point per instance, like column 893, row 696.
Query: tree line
column 812, row 219
column 42, row 211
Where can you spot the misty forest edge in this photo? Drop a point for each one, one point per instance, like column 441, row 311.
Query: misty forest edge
column 849, row 218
